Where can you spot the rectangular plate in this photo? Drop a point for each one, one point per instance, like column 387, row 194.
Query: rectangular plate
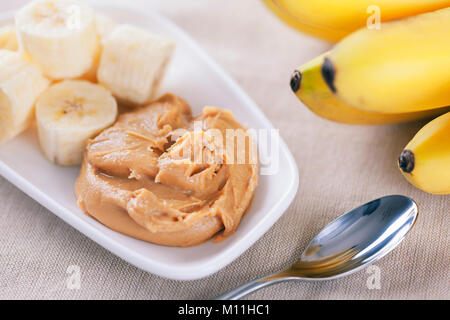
column 196, row 78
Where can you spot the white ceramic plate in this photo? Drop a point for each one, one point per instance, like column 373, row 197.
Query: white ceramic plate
column 195, row 77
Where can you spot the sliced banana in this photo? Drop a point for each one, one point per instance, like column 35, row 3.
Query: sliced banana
column 68, row 114
column 21, row 82
column 133, row 63
column 8, row 38
column 60, row 36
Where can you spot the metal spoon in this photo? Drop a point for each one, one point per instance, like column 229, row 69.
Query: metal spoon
column 349, row 243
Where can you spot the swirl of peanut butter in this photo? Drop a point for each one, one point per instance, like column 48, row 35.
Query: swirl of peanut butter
column 162, row 176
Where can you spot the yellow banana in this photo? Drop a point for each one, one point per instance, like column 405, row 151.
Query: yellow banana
column 425, row 162
column 311, row 89
column 334, row 19
column 316, row 31
column 403, row 67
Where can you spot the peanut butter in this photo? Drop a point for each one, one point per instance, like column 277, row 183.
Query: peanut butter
column 142, row 177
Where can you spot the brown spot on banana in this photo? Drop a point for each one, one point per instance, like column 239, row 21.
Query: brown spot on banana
column 328, row 73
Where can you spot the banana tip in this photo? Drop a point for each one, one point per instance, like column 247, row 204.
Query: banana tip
column 406, row 161
column 296, row 80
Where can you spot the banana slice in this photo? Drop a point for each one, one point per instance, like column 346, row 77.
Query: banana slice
column 8, row 38
column 68, row 114
column 21, row 82
column 60, row 36
column 133, row 63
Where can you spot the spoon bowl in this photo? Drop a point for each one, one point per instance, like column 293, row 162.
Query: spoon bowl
column 349, row 243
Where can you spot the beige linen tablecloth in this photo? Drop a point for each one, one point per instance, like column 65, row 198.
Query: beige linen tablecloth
column 340, row 167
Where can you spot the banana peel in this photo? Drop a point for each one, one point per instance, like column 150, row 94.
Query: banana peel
column 310, row 87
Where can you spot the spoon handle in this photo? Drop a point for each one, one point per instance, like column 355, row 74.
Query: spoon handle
column 251, row 286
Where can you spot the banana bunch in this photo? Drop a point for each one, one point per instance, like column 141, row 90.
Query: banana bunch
column 66, row 66
column 398, row 73
column 332, row 20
